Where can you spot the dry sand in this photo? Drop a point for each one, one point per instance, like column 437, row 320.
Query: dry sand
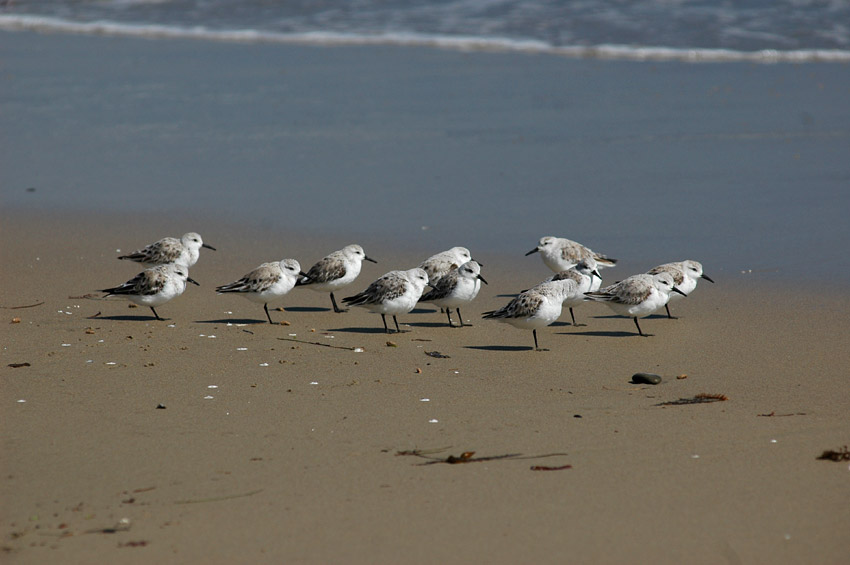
column 295, row 457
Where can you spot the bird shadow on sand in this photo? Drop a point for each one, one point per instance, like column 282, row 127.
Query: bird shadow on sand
column 246, row 321
column 423, row 311
column 375, row 330
column 443, row 324
column 126, row 318
column 499, row 347
column 600, row 334
column 615, row 316
column 306, row 309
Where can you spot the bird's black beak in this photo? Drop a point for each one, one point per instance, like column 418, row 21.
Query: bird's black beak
column 596, row 274
column 303, row 274
column 208, row 246
column 480, row 278
column 369, row 259
column 193, row 281
column 480, row 264
column 679, row 291
column 706, row 278
column 535, row 250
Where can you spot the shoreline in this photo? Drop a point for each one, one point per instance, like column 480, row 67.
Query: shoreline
column 268, row 239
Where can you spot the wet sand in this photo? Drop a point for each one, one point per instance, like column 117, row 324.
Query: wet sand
column 295, row 457
column 739, row 166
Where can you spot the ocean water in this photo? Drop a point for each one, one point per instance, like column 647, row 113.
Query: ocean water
column 689, row 30
column 745, row 167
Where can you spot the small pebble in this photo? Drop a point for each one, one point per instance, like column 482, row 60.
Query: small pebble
column 160, row 406
column 646, row 379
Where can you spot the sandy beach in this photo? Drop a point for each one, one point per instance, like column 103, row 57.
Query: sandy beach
column 294, row 455
column 215, row 437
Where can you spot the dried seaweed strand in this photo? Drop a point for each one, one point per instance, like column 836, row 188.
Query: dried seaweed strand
column 218, row 498
column 19, row 307
column 701, row 398
column 842, row 454
column 469, row 457
column 317, row 343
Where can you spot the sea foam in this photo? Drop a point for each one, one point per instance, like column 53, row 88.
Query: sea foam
column 46, row 24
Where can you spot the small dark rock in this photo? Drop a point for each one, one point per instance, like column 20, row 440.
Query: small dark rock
column 160, row 406
column 646, row 379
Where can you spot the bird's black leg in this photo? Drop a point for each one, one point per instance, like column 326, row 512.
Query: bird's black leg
column 449, row 316
column 397, row 330
column 638, row 327
column 572, row 316
column 459, row 316
column 155, row 314
column 534, row 332
column 337, row 309
column 266, row 308
column 669, row 315
column 384, row 318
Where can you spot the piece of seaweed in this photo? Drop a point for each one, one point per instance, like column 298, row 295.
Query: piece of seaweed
column 701, row 398
column 469, row 457
column 842, row 454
